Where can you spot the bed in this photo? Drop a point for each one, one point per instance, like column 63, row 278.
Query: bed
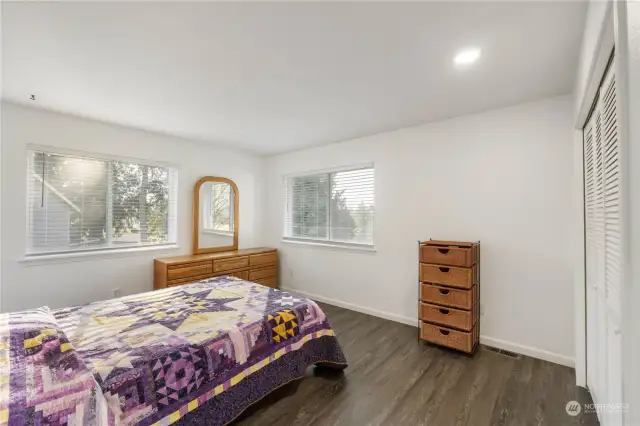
column 203, row 351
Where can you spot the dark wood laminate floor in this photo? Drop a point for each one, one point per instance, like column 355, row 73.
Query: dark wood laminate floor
column 394, row 380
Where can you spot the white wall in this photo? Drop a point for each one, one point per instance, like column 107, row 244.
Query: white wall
column 59, row 284
column 1, row 139
column 502, row 177
column 594, row 22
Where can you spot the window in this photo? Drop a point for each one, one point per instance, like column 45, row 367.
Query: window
column 335, row 207
column 218, row 217
column 81, row 203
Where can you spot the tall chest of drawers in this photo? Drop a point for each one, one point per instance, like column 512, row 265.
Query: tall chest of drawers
column 449, row 306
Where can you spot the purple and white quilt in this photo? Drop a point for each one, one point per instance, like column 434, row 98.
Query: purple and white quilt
column 208, row 349
column 42, row 379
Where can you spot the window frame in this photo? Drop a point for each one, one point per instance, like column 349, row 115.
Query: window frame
column 172, row 224
column 287, row 227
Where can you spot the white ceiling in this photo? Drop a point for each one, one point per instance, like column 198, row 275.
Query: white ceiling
column 274, row 77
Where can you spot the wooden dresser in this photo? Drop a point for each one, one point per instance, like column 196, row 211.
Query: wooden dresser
column 257, row 264
column 449, row 310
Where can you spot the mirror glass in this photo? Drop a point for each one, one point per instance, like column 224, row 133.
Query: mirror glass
column 216, row 215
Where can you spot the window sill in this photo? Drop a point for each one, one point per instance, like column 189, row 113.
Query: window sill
column 92, row 255
column 332, row 246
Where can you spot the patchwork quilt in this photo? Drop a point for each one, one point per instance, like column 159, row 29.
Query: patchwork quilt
column 42, row 379
column 207, row 349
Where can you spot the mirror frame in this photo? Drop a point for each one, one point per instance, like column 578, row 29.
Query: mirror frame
column 196, row 215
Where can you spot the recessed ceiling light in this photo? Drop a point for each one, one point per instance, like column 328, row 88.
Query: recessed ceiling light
column 467, row 57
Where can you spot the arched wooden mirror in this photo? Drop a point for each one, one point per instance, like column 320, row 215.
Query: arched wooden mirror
column 215, row 215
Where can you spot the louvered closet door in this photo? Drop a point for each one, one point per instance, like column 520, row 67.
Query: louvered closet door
column 594, row 255
column 613, row 244
column 590, row 249
column 603, row 250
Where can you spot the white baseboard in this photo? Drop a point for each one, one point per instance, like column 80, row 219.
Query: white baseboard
column 529, row 351
column 357, row 308
column 485, row 340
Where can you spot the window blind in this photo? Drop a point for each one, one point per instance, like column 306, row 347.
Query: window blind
column 335, row 207
column 80, row 203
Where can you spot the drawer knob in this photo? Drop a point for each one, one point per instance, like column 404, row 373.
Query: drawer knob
column 444, row 269
column 444, row 332
column 442, row 291
column 443, row 251
column 444, row 311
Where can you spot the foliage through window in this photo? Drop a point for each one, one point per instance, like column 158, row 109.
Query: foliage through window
column 336, row 207
column 219, row 202
column 78, row 203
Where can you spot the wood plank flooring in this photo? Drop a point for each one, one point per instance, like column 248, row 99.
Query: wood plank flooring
column 394, row 380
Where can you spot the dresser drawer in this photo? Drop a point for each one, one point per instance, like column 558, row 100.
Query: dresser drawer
column 257, row 274
column 447, row 255
column 448, row 275
column 230, row 264
column 263, row 259
column 456, row 318
column 457, row 298
column 243, row 275
column 189, row 280
column 189, row 270
column 445, row 336
column 269, row 282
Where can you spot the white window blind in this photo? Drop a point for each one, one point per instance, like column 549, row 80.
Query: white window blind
column 84, row 202
column 336, row 207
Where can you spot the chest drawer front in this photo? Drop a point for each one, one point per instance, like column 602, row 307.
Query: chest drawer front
column 456, row 318
column 257, row 274
column 450, row 256
column 263, row 259
column 447, row 275
column 189, row 280
column 445, row 336
column 189, row 270
column 230, row 264
column 243, row 275
column 269, row 282
column 463, row 299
